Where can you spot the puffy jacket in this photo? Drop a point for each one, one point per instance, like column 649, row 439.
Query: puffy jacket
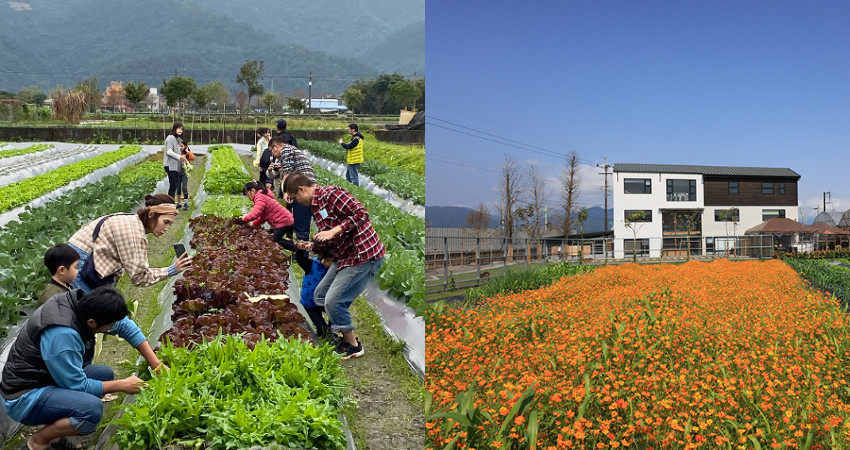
column 267, row 209
column 25, row 369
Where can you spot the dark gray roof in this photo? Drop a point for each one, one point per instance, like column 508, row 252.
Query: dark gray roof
column 708, row 170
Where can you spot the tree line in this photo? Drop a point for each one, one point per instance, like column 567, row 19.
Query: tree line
column 385, row 94
column 524, row 199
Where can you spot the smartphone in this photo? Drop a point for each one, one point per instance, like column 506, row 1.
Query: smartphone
column 179, row 249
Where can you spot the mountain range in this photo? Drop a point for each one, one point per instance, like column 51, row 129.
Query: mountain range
column 455, row 217
column 51, row 42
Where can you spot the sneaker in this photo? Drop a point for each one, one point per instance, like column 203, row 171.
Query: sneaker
column 348, row 351
column 186, row 205
column 333, row 339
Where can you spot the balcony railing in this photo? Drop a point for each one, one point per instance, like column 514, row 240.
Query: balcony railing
column 680, row 197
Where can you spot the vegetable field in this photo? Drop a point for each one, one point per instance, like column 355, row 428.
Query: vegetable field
column 245, row 373
column 399, row 173
column 696, row 356
column 24, row 241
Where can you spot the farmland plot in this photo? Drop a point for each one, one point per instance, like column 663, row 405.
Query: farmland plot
column 702, row 355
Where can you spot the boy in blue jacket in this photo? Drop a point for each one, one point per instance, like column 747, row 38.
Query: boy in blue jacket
column 321, row 262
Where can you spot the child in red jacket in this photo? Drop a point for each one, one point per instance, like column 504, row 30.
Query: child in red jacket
column 267, row 209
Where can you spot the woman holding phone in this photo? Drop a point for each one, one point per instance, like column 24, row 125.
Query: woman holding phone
column 118, row 242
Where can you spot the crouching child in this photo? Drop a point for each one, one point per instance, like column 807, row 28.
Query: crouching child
column 49, row 378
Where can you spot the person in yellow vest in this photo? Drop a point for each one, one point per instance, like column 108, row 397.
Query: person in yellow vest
column 355, row 154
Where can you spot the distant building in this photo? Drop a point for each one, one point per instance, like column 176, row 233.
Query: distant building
column 153, row 100
column 685, row 208
column 325, row 105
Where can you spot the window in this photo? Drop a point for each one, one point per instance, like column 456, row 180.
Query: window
column 727, row 215
column 647, row 215
column 767, row 214
column 781, row 188
column 767, row 188
column 681, row 190
column 637, row 185
column 632, row 246
column 733, row 187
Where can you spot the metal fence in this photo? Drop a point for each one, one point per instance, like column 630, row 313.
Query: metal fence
column 458, row 262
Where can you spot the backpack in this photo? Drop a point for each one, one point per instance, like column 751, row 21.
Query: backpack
column 289, row 138
column 88, row 272
column 266, row 158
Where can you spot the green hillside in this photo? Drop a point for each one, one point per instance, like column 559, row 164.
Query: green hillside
column 353, row 28
column 50, row 42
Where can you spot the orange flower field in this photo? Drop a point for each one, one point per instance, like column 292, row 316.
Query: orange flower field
column 700, row 355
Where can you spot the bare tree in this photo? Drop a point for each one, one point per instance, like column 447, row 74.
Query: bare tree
column 242, row 100
column 478, row 221
column 537, row 202
column 570, row 182
column 510, row 186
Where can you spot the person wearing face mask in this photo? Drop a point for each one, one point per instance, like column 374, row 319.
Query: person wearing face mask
column 118, row 243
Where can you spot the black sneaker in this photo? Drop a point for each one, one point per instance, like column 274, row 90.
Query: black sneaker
column 332, row 339
column 348, row 351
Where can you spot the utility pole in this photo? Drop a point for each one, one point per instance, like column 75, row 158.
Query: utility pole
column 825, row 195
column 605, row 167
column 310, row 92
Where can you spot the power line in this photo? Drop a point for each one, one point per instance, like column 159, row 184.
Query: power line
column 550, row 152
column 431, row 158
column 501, row 126
column 501, row 140
column 508, row 143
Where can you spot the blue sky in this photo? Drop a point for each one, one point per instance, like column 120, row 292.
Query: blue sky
column 752, row 83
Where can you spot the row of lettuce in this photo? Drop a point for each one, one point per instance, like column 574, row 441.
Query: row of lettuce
column 301, row 386
column 395, row 168
column 10, row 152
column 402, row 234
column 227, row 390
column 24, row 241
column 25, row 191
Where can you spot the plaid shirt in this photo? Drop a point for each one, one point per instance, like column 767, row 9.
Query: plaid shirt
column 294, row 161
column 358, row 242
column 121, row 245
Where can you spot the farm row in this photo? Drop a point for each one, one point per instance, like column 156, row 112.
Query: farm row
column 402, row 234
column 23, row 241
column 315, row 400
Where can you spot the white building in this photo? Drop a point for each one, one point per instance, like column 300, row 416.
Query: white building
column 695, row 208
column 325, row 105
column 153, row 100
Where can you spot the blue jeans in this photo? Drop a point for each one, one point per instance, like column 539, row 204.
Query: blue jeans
column 351, row 174
column 84, row 410
column 339, row 288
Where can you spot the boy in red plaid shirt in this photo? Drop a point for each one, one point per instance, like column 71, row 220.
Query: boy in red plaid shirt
column 358, row 251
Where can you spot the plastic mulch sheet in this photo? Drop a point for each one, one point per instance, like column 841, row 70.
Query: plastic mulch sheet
column 97, row 175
